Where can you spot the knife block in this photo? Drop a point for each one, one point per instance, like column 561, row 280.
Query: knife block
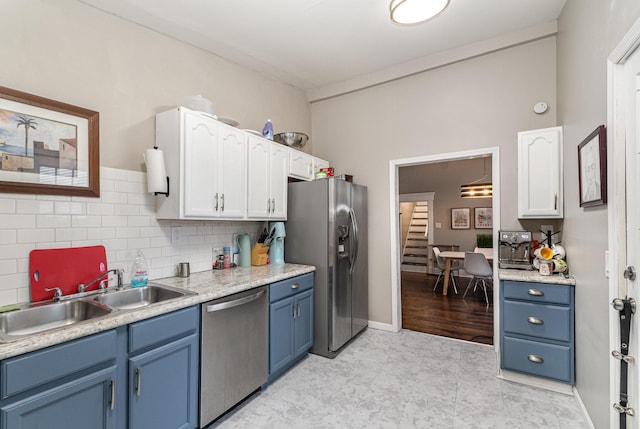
column 259, row 254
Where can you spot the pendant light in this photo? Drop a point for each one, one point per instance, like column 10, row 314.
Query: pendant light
column 476, row 189
column 406, row 12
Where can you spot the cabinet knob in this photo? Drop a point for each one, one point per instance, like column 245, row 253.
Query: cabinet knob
column 535, row 320
column 535, row 359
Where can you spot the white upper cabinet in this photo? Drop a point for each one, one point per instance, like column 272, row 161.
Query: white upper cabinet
column 268, row 166
column 300, row 165
column 206, row 163
column 540, row 193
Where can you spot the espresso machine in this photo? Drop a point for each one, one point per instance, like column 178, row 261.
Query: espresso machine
column 515, row 250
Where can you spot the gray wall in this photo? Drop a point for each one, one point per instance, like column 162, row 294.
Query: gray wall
column 481, row 102
column 588, row 32
column 70, row 52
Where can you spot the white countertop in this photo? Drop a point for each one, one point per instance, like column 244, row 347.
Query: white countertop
column 208, row 285
column 535, row 276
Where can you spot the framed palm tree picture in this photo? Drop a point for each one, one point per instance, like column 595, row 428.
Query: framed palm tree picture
column 47, row 146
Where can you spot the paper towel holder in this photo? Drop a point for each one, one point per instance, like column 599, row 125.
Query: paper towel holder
column 162, row 172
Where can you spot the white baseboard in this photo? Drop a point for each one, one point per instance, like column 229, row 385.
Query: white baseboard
column 530, row 380
column 381, row 326
column 585, row 414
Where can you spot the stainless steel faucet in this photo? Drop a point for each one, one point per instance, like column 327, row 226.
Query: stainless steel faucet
column 118, row 272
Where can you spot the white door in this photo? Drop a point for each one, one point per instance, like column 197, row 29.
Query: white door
column 258, row 199
column 232, row 173
column 626, row 133
column 278, row 181
column 200, row 141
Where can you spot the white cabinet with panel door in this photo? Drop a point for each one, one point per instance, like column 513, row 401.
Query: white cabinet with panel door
column 206, row 163
column 540, row 193
column 268, row 166
column 300, row 165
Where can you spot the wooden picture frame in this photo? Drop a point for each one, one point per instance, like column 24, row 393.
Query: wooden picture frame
column 461, row 218
column 483, row 217
column 47, row 147
column 592, row 168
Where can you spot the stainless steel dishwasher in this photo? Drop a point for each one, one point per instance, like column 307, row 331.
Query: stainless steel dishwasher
column 234, row 350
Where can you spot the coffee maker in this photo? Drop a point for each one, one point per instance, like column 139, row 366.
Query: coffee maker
column 515, row 250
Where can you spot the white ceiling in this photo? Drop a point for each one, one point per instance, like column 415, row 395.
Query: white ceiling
column 332, row 46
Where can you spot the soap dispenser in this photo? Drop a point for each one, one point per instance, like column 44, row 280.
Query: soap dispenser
column 140, row 272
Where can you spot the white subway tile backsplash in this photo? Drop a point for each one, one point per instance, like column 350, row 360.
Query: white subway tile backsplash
column 7, row 206
column 53, row 221
column 16, row 221
column 122, row 219
column 84, row 221
column 36, row 235
column 8, row 236
column 102, row 209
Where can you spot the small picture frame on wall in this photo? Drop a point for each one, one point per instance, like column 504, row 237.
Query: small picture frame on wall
column 592, row 168
column 483, row 217
column 461, row 218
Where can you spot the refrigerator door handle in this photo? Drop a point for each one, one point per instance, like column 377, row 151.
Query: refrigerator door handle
column 354, row 241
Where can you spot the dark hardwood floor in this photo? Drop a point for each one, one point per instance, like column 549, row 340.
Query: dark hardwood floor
column 424, row 310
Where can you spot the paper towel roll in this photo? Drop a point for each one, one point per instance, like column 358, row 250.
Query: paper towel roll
column 156, row 173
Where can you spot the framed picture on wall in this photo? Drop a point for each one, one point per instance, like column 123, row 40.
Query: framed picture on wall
column 461, row 218
column 47, row 147
column 592, row 168
column 483, row 217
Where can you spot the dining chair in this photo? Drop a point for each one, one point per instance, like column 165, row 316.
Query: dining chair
column 476, row 264
column 455, row 267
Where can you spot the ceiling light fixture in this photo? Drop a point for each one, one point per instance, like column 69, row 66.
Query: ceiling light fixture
column 475, row 189
column 408, row 12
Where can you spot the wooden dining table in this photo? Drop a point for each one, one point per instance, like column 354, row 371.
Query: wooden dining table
column 453, row 256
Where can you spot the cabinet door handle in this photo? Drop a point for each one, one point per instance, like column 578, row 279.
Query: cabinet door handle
column 113, row 395
column 268, row 205
column 273, row 205
column 535, row 359
column 295, row 286
column 555, row 202
column 535, row 320
column 222, row 203
column 216, row 197
column 138, row 382
column 298, row 305
column 294, row 311
column 535, row 292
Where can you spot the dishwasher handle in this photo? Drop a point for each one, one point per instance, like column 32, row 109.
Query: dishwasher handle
column 235, row 303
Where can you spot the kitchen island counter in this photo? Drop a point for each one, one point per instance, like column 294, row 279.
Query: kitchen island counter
column 207, row 285
column 535, row 277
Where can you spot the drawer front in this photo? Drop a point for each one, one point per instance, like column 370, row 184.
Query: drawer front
column 162, row 329
column 544, row 321
column 541, row 359
column 537, row 292
column 289, row 287
column 30, row 370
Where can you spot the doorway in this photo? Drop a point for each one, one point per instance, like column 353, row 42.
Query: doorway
column 396, row 275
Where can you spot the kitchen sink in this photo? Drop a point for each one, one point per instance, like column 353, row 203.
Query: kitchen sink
column 139, row 297
column 39, row 318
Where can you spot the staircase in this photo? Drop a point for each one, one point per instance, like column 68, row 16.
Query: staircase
column 414, row 252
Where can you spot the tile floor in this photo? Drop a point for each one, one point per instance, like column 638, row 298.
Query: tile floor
column 403, row 380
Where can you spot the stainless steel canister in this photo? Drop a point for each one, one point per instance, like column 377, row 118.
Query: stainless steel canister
column 183, row 269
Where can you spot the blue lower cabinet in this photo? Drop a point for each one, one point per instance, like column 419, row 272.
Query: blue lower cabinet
column 164, row 386
column 82, row 403
column 163, row 371
column 537, row 329
column 290, row 323
column 142, row 375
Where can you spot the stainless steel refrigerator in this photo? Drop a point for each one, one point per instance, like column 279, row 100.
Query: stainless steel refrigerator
column 327, row 227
